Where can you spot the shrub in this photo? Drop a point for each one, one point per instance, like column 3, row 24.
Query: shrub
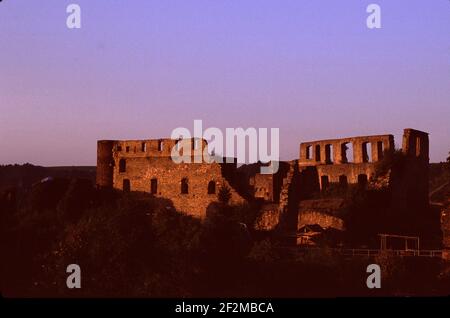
column 224, row 194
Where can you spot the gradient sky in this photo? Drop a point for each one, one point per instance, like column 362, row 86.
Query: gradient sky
column 138, row 69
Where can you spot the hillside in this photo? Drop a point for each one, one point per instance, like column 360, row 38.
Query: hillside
column 440, row 183
column 28, row 174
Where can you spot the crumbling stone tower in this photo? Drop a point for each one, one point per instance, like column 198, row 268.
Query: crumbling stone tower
column 416, row 175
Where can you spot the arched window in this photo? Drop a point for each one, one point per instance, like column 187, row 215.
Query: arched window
column 329, row 153
column 367, row 151
column 347, row 152
column 211, row 187
column 309, row 152
column 317, row 152
column 122, row 165
column 184, row 186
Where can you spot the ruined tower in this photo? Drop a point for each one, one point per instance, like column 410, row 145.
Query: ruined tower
column 416, row 149
column 105, row 163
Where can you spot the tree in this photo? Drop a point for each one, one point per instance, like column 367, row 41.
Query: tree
column 224, row 194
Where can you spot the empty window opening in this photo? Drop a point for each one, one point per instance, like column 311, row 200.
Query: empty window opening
column 329, row 153
column 317, row 152
column 160, row 145
column 418, row 150
column 144, row 147
column 347, row 152
column 362, row 180
column 380, row 150
column 119, row 148
column 309, row 152
column 367, row 152
column 343, row 182
column 324, row 182
column 154, row 186
column 127, row 149
column 126, row 186
column 211, row 187
column 122, row 165
column 184, row 186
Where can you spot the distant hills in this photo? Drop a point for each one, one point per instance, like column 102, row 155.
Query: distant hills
column 27, row 174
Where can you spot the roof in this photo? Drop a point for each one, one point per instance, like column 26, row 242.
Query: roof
column 311, row 228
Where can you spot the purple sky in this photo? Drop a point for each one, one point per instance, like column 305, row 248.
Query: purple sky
column 138, row 69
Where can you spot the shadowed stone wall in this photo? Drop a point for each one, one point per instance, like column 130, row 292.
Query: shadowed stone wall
column 146, row 166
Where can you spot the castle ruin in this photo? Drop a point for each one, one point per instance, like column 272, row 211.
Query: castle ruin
column 290, row 196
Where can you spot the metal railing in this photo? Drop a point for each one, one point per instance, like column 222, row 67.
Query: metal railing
column 373, row 252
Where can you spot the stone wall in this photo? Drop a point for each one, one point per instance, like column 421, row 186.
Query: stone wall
column 331, row 161
column 268, row 218
column 146, row 166
column 268, row 186
column 345, row 173
column 365, row 149
column 263, row 185
column 169, row 176
column 345, row 160
column 325, row 212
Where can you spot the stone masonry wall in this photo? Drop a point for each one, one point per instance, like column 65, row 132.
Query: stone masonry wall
column 365, row 149
column 346, row 159
column 137, row 162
